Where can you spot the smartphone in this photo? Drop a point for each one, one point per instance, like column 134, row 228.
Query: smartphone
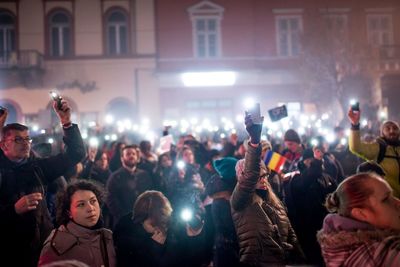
column 355, row 107
column 255, row 113
column 56, row 97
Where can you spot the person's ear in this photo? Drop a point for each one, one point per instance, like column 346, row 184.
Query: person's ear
column 359, row 214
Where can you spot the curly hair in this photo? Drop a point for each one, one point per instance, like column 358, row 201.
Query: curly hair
column 64, row 198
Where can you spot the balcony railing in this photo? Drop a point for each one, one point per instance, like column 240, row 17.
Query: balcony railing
column 22, row 59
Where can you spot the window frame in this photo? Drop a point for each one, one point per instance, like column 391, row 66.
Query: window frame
column 106, row 34
column 278, row 32
column 49, row 34
column 14, row 40
column 371, row 32
column 206, row 33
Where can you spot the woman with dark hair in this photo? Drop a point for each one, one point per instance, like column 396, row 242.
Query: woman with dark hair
column 97, row 168
column 162, row 171
column 364, row 227
column 149, row 237
column 80, row 235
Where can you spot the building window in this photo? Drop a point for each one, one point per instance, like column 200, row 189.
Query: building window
column 336, row 23
column 7, row 36
column 117, row 33
column 60, row 34
column 380, row 29
column 206, row 38
column 288, row 35
column 206, row 21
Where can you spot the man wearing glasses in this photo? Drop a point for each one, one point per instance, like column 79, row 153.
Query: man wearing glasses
column 24, row 219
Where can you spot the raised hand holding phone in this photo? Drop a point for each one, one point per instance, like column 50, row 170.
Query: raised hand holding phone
column 56, row 97
column 253, row 121
column 255, row 113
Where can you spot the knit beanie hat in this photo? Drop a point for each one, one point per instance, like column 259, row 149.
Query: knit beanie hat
column 292, row 135
column 225, row 167
column 307, row 154
column 386, row 123
column 226, row 178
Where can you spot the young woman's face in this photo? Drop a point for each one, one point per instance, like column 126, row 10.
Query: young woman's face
column 187, row 156
column 102, row 162
column 85, row 208
column 385, row 208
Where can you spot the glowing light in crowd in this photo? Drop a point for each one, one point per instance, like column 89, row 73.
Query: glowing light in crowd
column 343, row 141
column 35, row 127
column 50, row 140
column 313, row 117
column 352, row 101
column 233, row 131
column 347, row 132
column 249, row 103
column 186, row 214
column 314, row 142
column 106, row 137
column 325, row 117
column 301, row 131
column 114, row 137
column 383, row 115
column 279, row 134
column 264, row 137
column 222, row 135
column 194, row 121
column 43, row 131
column 364, row 122
column 204, row 79
column 330, row 138
column 84, row 135
column 180, row 164
column 93, row 142
column 91, row 123
column 109, row 119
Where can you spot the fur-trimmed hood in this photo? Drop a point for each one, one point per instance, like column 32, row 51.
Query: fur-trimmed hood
column 341, row 236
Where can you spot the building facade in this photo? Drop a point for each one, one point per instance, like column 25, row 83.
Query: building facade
column 309, row 55
column 99, row 54
column 196, row 59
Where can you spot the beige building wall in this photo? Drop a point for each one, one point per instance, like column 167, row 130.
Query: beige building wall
column 128, row 77
column 88, row 28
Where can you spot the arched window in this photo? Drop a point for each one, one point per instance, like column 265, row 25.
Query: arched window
column 117, row 32
column 7, row 35
column 60, row 34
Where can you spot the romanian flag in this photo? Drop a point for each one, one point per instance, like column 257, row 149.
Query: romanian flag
column 274, row 161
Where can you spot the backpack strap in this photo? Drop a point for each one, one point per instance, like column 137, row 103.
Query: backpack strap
column 382, row 151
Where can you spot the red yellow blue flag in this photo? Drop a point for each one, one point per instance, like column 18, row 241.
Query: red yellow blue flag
column 274, row 161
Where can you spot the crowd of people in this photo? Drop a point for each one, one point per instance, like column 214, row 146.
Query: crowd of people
column 123, row 205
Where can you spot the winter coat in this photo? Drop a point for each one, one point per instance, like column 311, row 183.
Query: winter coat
column 26, row 233
column 135, row 247
column 123, row 188
column 265, row 234
column 93, row 247
column 370, row 151
column 348, row 242
column 309, row 190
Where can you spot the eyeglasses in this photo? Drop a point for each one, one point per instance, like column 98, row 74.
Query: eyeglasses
column 20, row 140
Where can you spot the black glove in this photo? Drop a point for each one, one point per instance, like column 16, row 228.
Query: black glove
column 254, row 130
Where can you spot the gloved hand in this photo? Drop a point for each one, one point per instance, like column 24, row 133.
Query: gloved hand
column 254, row 130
